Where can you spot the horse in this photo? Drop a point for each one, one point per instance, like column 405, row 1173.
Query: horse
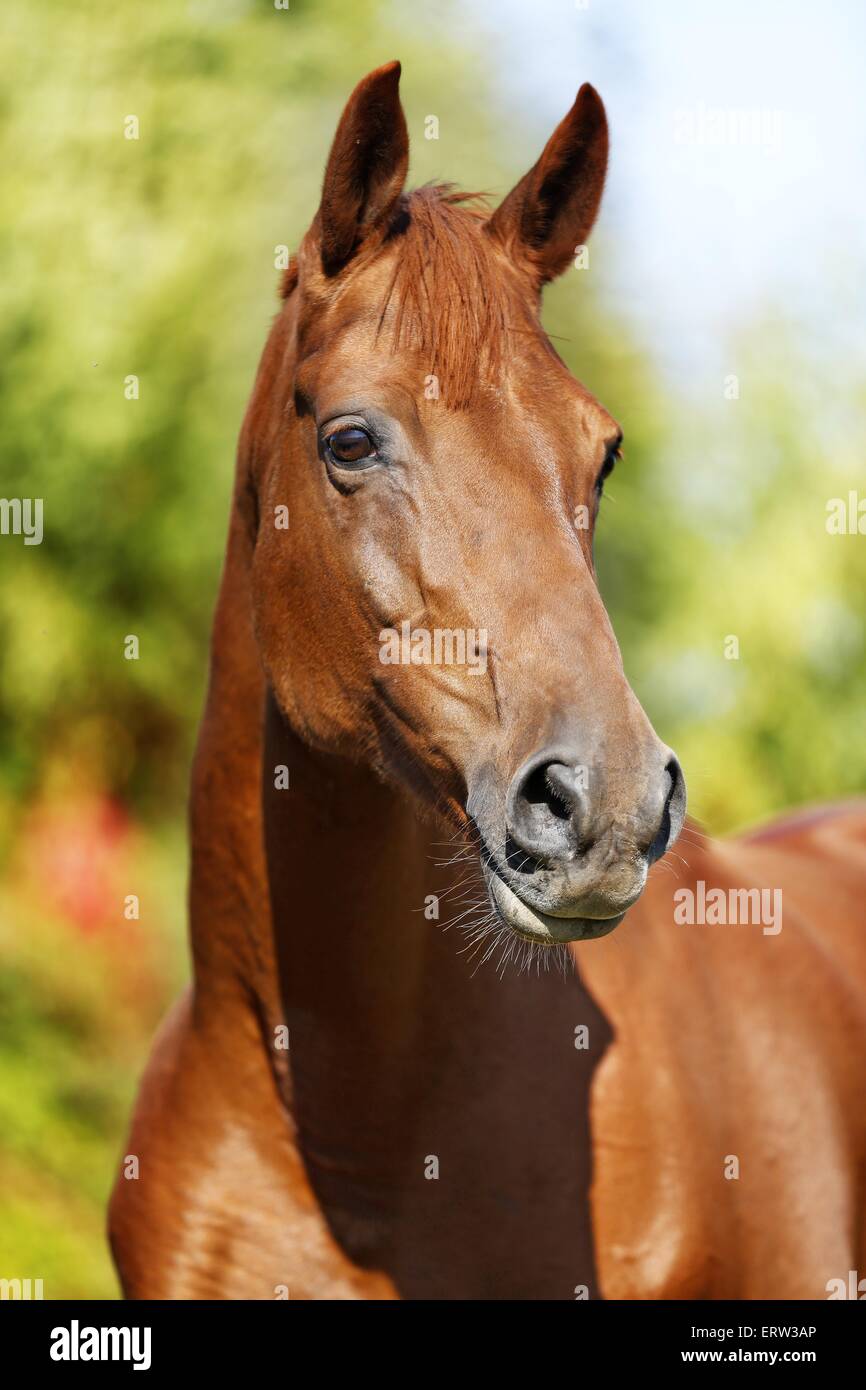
column 422, row 784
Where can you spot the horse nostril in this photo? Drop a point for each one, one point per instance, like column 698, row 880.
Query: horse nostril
column 550, row 786
column 552, row 816
column 546, row 806
column 673, row 812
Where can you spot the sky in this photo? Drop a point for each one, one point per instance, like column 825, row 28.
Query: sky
column 738, row 165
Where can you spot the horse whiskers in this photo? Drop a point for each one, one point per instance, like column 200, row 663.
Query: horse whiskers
column 464, row 853
column 455, row 888
column 486, row 933
column 458, row 859
column 465, row 829
column 693, row 836
column 673, row 854
column 662, row 867
column 473, row 907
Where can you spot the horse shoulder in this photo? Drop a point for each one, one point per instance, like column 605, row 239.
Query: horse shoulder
column 220, row 1207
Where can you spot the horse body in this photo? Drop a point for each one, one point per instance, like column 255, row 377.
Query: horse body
column 559, row 1170
column 733, row 1044
column 680, row 1115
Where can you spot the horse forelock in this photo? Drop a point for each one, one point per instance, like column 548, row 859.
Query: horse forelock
column 450, row 297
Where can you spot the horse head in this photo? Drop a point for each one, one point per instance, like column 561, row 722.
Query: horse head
column 433, row 607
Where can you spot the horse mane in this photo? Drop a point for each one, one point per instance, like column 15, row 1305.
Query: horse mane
column 448, row 297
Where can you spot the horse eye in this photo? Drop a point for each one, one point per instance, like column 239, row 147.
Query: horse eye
column 606, row 469
column 350, row 445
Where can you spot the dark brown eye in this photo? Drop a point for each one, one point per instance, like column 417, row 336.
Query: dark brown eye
column 350, row 446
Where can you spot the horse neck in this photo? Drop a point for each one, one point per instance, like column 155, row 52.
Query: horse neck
column 308, row 900
column 369, row 985
column 307, row 908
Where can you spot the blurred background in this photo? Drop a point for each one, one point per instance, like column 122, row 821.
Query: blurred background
column 721, row 320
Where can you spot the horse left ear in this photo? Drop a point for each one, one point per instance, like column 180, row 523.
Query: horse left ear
column 551, row 211
column 366, row 168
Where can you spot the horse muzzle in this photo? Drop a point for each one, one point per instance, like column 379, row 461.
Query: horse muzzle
column 575, row 860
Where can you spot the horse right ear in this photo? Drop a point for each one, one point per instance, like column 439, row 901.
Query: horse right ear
column 366, row 168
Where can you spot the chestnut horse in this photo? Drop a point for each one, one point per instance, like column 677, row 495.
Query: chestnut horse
column 410, row 651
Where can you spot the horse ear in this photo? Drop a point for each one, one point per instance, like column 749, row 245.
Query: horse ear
column 366, row 167
column 551, row 211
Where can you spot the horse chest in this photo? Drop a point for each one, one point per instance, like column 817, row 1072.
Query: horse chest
column 471, row 1179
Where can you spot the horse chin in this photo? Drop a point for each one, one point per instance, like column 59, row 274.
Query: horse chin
column 541, row 928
